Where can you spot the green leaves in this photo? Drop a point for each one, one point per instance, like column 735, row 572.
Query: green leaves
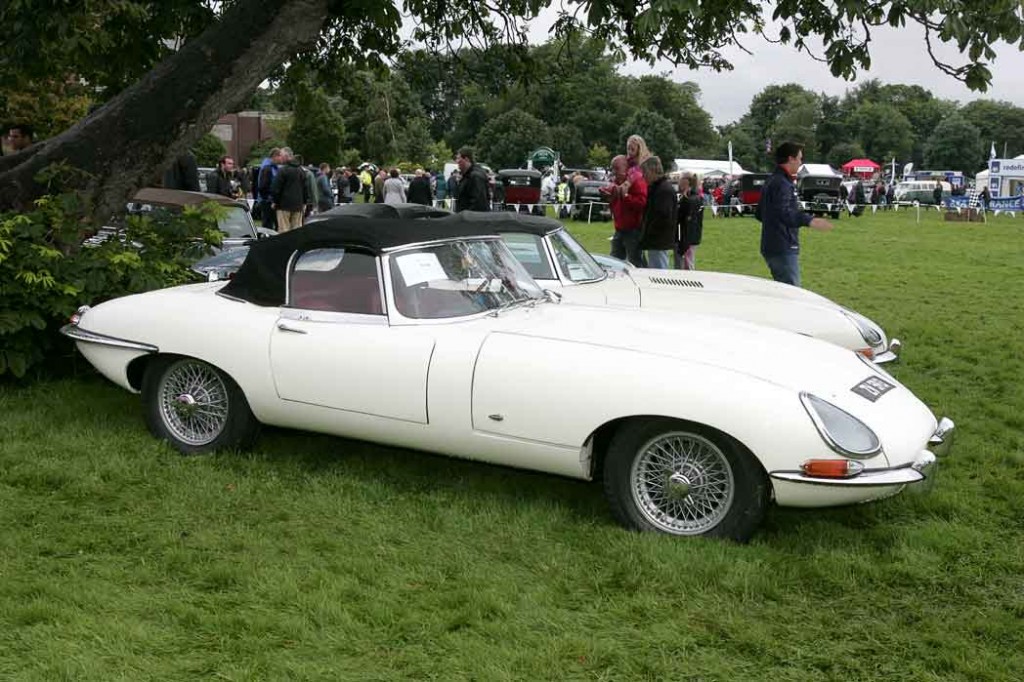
column 45, row 273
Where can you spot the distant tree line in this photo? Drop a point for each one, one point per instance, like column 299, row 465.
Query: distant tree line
column 426, row 104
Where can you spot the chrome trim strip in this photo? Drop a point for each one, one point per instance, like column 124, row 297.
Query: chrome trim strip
column 330, row 317
column 84, row 336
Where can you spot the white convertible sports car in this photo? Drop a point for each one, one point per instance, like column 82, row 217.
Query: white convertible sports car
column 557, row 261
column 430, row 335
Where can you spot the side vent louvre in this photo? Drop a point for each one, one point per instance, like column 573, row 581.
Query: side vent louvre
column 677, row 282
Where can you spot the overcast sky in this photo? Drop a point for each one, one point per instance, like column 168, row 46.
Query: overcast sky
column 898, row 56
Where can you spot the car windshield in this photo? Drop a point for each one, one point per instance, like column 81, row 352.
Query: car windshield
column 573, row 260
column 459, row 278
column 236, row 223
column 529, row 251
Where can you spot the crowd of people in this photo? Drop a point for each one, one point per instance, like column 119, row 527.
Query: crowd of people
column 284, row 192
column 650, row 217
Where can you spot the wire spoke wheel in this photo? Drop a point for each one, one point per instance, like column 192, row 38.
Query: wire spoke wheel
column 682, row 483
column 193, row 402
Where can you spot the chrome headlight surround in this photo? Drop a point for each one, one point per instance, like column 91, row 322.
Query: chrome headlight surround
column 869, row 331
column 840, row 430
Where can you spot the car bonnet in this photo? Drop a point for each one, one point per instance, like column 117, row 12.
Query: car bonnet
column 780, row 357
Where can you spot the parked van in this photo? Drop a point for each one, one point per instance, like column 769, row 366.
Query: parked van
column 920, row 191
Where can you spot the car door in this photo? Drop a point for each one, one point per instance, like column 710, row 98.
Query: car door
column 333, row 347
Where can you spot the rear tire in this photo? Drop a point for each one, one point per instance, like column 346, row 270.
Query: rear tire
column 196, row 407
column 683, row 479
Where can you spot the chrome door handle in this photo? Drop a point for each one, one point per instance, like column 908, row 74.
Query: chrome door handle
column 285, row 328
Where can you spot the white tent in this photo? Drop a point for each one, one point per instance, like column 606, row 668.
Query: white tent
column 705, row 166
column 818, row 169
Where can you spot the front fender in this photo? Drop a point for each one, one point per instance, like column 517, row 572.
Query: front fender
column 561, row 392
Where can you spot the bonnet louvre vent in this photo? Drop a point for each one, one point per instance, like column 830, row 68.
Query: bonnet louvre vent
column 677, row 282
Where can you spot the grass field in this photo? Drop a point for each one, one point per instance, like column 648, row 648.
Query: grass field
column 322, row 558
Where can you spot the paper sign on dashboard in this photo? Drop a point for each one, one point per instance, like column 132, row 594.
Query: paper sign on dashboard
column 417, row 268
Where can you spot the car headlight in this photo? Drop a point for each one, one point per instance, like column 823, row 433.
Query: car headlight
column 869, row 331
column 843, row 432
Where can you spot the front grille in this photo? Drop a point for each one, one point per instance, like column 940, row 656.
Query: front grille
column 677, row 282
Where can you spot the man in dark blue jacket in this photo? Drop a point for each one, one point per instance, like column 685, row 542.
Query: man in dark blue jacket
column 781, row 217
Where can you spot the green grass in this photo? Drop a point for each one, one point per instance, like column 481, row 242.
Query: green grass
column 323, row 558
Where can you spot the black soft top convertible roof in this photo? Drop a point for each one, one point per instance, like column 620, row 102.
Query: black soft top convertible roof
column 261, row 279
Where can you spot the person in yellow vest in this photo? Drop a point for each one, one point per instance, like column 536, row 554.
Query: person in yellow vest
column 562, row 192
column 366, row 180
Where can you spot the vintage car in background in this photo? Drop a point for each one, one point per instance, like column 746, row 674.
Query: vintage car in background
column 820, row 194
column 432, row 336
column 589, row 203
column 235, row 222
column 747, row 188
column 518, row 189
column 557, row 261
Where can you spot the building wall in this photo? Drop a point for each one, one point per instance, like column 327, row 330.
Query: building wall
column 240, row 131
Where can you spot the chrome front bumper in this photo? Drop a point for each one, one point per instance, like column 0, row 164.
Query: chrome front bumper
column 923, row 467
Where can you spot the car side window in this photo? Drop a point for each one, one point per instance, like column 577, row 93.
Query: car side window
column 335, row 280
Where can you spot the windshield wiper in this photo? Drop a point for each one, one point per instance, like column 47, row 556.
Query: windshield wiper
column 508, row 305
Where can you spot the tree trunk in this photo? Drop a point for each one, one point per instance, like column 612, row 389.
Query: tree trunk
column 125, row 144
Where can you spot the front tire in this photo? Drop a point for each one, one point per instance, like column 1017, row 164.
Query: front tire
column 196, row 407
column 682, row 479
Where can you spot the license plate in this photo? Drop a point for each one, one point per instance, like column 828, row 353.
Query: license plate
column 873, row 388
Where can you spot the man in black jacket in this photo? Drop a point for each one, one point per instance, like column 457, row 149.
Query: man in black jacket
column 781, row 217
column 290, row 193
column 226, row 180
column 419, row 189
column 472, row 193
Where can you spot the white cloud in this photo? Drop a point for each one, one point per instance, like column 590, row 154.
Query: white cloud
column 898, row 56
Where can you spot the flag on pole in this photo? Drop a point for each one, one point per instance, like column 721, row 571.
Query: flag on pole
column 992, row 153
